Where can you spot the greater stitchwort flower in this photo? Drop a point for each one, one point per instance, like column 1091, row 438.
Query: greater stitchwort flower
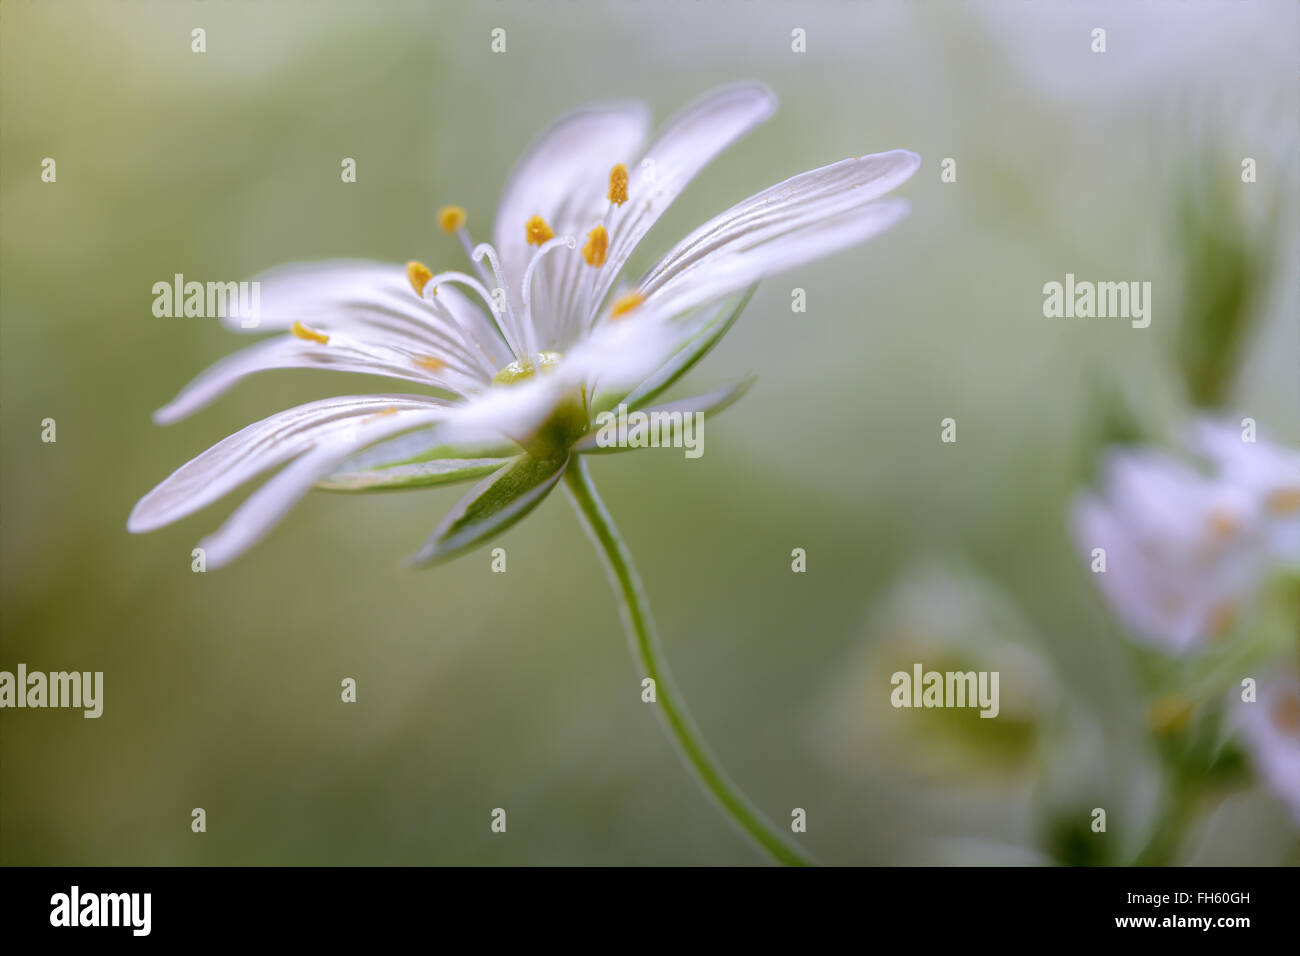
column 1182, row 556
column 1202, row 551
column 1272, row 734
column 520, row 355
column 1189, row 541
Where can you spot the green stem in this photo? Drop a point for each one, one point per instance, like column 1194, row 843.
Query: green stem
column 1178, row 811
column 646, row 650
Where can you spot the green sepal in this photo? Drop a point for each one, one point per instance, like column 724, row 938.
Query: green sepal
column 709, row 403
column 424, row 474
column 493, row 505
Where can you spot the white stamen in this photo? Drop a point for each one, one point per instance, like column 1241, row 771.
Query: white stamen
column 467, row 244
column 471, row 283
column 517, row 331
column 569, row 242
column 469, row 346
column 485, row 250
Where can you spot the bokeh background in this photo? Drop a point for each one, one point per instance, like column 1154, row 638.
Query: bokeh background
column 480, row 690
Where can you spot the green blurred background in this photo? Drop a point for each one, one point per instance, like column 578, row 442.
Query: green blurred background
column 480, row 690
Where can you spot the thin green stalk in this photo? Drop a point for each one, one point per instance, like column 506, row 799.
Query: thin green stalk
column 1178, row 811
column 648, row 654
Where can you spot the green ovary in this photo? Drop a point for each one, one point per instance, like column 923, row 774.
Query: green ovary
column 569, row 419
column 522, row 369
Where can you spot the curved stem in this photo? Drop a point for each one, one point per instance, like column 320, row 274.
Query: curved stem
column 646, row 650
column 1178, row 810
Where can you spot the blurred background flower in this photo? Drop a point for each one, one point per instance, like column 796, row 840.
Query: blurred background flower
column 1272, row 733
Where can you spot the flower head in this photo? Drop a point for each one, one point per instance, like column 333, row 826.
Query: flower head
column 521, row 352
column 1182, row 556
column 1271, row 730
column 1190, row 540
column 1268, row 472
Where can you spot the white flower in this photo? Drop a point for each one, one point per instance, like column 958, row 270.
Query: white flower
column 1183, row 556
column 1271, row 730
column 522, row 353
column 1268, row 472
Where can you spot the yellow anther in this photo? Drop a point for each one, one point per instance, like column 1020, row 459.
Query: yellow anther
column 625, row 304
column 536, row 231
column 419, row 275
column 618, row 185
column 430, row 362
column 1284, row 501
column 1223, row 524
column 1223, row 618
column 451, row 218
column 596, row 247
column 1286, row 712
column 383, row 412
column 311, row 335
column 1168, row 715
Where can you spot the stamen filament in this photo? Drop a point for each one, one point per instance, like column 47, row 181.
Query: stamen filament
column 471, row 283
column 568, row 242
column 485, row 250
column 467, row 244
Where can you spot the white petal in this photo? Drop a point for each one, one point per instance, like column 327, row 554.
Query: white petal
column 825, row 197
column 267, row 506
column 1268, row 728
column 741, row 263
column 341, row 354
column 688, row 142
column 262, row 446
column 1182, row 556
column 564, row 175
column 1128, row 583
column 1217, row 440
column 373, row 300
column 340, row 292
column 1175, row 509
column 616, row 354
column 512, row 412
column 622, row 353
column 1268, row 471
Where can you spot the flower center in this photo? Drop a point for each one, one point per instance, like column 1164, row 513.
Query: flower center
column 569, row 418
column 1286, row 713
column 522, row 369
